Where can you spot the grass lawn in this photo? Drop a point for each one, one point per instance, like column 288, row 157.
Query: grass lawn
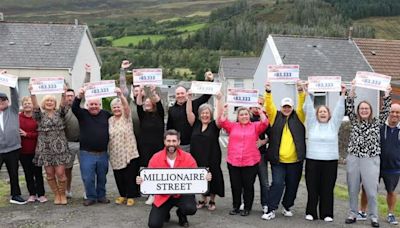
column 191, row 27
column 340, row 192
column 134, row 40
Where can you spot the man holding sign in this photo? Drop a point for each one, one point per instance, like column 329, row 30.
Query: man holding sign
column 171, row 157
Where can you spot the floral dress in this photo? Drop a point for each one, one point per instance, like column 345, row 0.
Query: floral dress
column 52, row 145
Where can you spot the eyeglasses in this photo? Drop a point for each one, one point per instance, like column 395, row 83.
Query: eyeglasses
column 3, row 99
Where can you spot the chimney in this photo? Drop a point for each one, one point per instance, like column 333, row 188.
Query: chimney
column 350, row 33
column 1, row 16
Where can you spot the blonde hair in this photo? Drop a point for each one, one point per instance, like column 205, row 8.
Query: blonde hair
column 241, row 109
column 24, row 99
column 46, row 98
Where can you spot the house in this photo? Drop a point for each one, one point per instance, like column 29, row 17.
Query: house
column 236, row 72
column 383, row 56
column 47, row 50
column 316, row 57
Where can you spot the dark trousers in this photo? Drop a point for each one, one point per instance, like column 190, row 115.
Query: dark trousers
column 285, row 177
column 11, row 161
column 242, row 178
column 320, row 181
column 186, row 206
column 33, row 175
column 126, row 179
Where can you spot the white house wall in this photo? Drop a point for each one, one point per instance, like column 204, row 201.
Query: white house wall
column 85, row 55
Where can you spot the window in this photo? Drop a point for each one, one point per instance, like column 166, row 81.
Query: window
column 23, row 84
column 238, row 83
column 319, row 99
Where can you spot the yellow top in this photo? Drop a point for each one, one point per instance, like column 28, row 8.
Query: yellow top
column 287, row 149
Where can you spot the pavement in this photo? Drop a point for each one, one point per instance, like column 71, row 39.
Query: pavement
column 111, row 215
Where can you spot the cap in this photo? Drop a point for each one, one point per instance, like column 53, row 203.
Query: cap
column 287, row 101
column 3, row 95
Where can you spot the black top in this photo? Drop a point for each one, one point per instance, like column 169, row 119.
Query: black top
column 177, row 118
column 390, row 145
column 93, row 129
column 262, row 148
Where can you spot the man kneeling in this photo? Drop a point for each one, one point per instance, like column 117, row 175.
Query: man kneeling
column 171, row 157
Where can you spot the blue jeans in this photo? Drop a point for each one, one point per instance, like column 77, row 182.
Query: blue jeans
column 263, row 178
column 94, row 168
column 285, row 176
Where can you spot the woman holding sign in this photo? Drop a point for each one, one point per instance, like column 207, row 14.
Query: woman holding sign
column 243, row 155
column 322, row 155
column 122, row 147
column 363, row 162
column 52, row 146
column 205, row 149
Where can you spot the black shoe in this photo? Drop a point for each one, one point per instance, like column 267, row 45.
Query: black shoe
column 103, row 200
column 245, row 212
column 182, row 219
column 167, row 217
column 374, row 223
column 17, row 200
column 350, row 220
column 234, row 211
column 88, row 202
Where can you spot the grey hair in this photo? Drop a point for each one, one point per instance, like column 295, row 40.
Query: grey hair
column 115, row 101
column 204, row 107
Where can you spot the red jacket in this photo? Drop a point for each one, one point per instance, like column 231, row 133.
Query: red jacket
column 159, row 160
column 29, row 125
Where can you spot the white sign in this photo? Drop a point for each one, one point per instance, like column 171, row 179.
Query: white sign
column 324, row 84
column 283, row 72
column 202, row 87
column 174, row 181
column 372, row 80
column 100, row 89
column 147, row 76
column 47, row 85
column 242, row 97
column 8, row 80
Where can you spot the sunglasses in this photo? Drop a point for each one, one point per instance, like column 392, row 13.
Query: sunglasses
column 3, row 98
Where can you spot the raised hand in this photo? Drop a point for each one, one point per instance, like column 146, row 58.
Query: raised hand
column 208, row 76
column 388, row 91
column 125, row 64
column 267, row 86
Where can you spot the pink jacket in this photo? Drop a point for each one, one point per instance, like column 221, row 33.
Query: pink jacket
column 242, row 145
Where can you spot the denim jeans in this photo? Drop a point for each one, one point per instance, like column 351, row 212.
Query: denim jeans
column 94, row 168
column 263, row 178
column 285, row 177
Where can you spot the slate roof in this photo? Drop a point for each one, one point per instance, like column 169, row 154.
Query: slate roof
column 40, row 45
column 239, row 67
column 322, row 56
column 382, row 55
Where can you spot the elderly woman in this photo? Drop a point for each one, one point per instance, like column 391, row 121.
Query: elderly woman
column 322, row 156
column 205, row 149
column 52, row 147
column 363, row 161
column 28, row 131
column 243, row 155
column 124, row 156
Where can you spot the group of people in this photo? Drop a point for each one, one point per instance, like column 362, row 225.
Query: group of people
column 134, row 135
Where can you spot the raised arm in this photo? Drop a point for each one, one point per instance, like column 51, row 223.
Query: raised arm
column 76, row 109
column 301, row 97
column 208, row 76
column 220, row 108
column 14, row 100
column 350, row 110
column 189, row 111
column 33, row 98
column 269, row 105
column 139, row 98
column 387, row 102
column 124, row 101
column 122, row 77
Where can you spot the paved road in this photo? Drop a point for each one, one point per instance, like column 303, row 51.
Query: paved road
column 111, row 215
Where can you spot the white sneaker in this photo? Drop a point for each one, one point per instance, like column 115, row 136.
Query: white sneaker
column 241, row 208
column 84, row 195
column 286, row 213
column 309, row 217
column 68, row 194
column 268, row 216
column 150, row 200
column 265, row 209
column 328, row 219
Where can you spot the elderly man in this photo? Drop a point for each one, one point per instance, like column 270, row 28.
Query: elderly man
column 177, row 118
column 72, row 130
column 10, row 141
column 93, row 138
column 286, row 150
column 172, row 157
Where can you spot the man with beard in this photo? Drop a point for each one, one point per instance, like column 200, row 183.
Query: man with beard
column 171, row 157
